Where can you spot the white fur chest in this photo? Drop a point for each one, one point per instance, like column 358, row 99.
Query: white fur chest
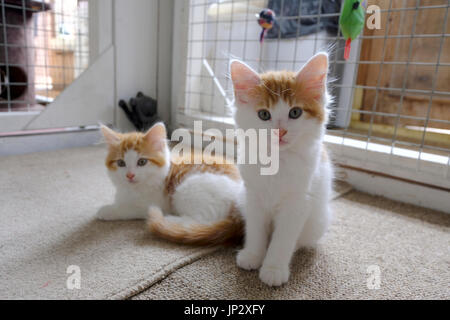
column 142, row 195
column 294, row 176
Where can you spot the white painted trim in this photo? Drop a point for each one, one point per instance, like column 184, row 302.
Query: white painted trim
column 100, row 27
column 179, row 57
column 401, row 163
column 399, row 190
column 14, row 121
column 165, row 45
column 67, row 138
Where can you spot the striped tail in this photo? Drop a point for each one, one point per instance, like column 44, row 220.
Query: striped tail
column 229, row 231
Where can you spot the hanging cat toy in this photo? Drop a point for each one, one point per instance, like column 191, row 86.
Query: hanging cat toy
column 266, row 19
column 351, row 22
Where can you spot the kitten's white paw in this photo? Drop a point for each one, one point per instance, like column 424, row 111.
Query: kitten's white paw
column 248, row 260
column 274, row 275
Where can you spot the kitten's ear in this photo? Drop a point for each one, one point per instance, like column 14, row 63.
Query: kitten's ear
column 110, row 135
column 156, row 136
column 244, row 80
column 313, row 75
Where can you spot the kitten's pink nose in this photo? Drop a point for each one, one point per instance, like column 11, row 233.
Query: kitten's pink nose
column 130, row 175
column 281, row 133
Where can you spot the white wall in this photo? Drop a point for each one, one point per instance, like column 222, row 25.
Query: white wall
column 135, row 39
column 165, row 48
column 143, row 42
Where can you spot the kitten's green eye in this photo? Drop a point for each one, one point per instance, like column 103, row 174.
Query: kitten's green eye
column 121, row 163
column 295, row 113
column 264, row 115
column 142, row 162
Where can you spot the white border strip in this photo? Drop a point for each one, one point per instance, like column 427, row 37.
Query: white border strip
column 398, row 190
column 386, row 149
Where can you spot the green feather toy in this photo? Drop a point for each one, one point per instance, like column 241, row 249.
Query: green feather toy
column 351, row 23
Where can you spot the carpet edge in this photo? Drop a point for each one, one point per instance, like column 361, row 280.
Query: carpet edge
column 147, row 282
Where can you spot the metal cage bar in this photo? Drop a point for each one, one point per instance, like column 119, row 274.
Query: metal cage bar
column 44, row 47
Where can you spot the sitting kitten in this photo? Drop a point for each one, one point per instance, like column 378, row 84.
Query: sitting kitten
column 290, row 208
column 203, row 198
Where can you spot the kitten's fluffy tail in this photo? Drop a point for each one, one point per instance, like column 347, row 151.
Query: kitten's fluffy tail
column 228, row 231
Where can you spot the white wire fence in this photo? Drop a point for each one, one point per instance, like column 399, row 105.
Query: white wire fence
column 392, row 95
column 44, row 46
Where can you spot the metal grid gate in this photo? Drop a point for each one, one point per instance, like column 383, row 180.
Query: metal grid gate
column 392, row 95
column 44, row 46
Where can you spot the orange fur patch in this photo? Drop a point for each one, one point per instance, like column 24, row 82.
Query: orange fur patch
column 276, row 85
column 133, row 141
column 229, row 231
column 178, row 172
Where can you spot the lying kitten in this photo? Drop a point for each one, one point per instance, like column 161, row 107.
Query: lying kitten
column 203, row 198
column 290, row 208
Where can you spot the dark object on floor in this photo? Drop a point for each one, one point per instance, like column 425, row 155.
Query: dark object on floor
column 142, row 111
column 292, row 28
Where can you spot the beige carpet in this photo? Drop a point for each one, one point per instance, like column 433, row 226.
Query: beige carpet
column 47, row 223
column 410, row 245
column 48, row 204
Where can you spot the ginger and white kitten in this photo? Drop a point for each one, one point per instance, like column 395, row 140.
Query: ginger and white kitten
column 290, row 209
column 201, row 198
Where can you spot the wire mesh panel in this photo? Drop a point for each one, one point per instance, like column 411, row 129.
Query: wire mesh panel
column 391, row 96
column 401, row 91
column 44, row 46
column 220, row 30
